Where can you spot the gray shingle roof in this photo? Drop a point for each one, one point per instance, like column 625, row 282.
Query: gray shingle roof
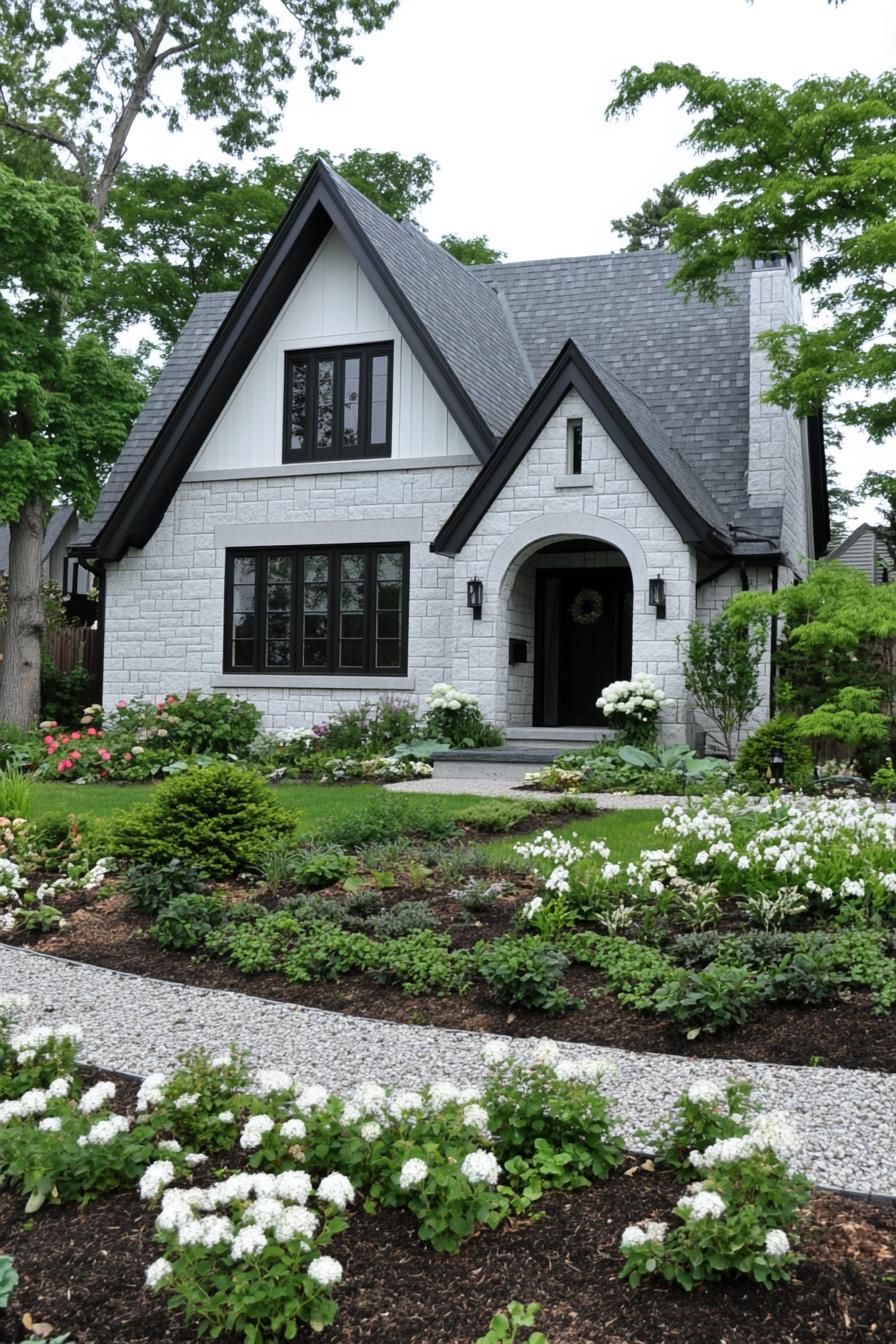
column 182, row 363
column 689, row 363
column 464, row 316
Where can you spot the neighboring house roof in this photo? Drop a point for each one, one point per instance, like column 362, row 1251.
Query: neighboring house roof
column 56, row 525
column 677, row 375
column 863, row 549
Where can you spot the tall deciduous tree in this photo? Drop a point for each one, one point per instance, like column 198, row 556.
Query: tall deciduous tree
column 880, row 486
column 813, row 164
column 66, row 404
column 169, row 237
column 651, row 226
column 226, row 61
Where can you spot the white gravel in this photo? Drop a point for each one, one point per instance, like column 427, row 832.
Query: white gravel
column 131, row 1023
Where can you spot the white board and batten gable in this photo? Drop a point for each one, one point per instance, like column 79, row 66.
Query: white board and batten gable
column 334, row 304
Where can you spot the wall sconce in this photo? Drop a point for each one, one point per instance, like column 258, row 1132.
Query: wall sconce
column 656, row 596
column 474, row 598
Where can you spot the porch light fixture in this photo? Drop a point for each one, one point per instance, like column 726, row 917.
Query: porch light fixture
column 656, row 596
column 474, row 598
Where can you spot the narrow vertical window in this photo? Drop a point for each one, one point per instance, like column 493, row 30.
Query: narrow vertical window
column 297, row 405
column 315, row 611
column 278, row 612
column 324, row 426
column 379, row 405
column 242, row 628
column 389, row 613
column 351, row 610
column 351, row 406
column 574, row 447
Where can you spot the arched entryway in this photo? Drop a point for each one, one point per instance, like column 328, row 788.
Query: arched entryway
column 569, row 611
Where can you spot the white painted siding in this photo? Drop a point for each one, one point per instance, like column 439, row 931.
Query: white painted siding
column 333, row 304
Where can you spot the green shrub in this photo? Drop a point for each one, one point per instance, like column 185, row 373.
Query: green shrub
column 320, row 867
column 781, row 733
column 402, row 918
column 494, row 814
column 17, row 747
column 202, row 725
column 63, row 694
column 711, row 999
column 632, row 971
column 369, row 729
column 214, row 817
column 16, row 792
column 387, row 817
column 186, row 921
column 524, row 971
column 151, row 888
column 423, row 963
column 256, row 945
column 324, row 952
column 806, row 977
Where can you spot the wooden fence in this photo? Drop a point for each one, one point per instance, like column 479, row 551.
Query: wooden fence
column 69, row 646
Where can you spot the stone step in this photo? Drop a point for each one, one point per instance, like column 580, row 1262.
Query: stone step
column 508, row 762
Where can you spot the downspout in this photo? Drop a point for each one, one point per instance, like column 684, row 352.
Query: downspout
column 773, row 649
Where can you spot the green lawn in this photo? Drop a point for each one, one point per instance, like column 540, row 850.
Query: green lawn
column 627, row 833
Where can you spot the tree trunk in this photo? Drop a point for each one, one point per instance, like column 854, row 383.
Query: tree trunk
column 20, row 668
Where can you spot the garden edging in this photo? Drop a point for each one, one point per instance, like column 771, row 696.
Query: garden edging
column 141, row 1024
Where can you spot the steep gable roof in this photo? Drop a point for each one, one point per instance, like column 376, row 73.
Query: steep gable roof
column 433, row 300
column 632, row 427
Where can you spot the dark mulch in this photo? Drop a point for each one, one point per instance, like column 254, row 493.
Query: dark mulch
column 82, row 1271
column 842, row 1034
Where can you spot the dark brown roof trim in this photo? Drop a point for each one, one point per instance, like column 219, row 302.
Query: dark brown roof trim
column 571, row 371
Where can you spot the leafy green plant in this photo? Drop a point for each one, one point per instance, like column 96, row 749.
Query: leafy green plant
column 633, row 972
column 16, row 793
column 676, row 759
column 506, row 1325
column 255, row 945
column 420, row 748
column 705, row 1112
column 883, row 781
column 475, row 895
column 324, row 952
column 372, row 728
column 711, row 999
column 186, row 921
column 423, row 963
column 853, row 717
column 525, row 972
column 151, row 886
column 321, row 867
column 806, row 977
column 494, row 814
column 8, row 1279
column 402, row 918
column 214, row 817
column 33, row 916
column 721, row 671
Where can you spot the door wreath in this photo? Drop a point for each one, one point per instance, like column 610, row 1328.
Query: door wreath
column 588, row 607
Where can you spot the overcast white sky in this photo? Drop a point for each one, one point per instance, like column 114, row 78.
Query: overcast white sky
column 508, row 96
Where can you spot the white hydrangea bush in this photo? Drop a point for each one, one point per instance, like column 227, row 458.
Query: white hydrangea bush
column 633, row 708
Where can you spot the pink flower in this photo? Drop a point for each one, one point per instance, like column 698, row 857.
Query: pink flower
column 170, row 699
column 121, row 704
column 128, row 756
column 51, row 748
column 62, row 765
column 104, row 755
column 75, row 755
column 91, row 732
column 48, row 739
column 64, row 737
column 160, row 705
column 75, row 737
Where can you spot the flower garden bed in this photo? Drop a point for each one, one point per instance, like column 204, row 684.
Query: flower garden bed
column 130, row 1235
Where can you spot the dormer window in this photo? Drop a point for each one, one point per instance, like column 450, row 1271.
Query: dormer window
column 338, row 403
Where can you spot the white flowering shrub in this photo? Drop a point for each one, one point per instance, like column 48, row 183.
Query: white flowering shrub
column 186, row 1106
column 633, row 708
column 705, row 1112
column 33, row 1058
column 553, row 1123
column 742, row 1217
column 244, row 1254
column 455, row 717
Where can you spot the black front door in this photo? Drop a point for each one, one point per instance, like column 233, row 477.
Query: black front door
column 575, row 656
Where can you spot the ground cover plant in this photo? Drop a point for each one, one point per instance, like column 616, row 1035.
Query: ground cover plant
column 256, row 1206
column 762, row 929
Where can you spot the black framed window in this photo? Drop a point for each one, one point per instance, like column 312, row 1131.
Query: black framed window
column 338, row 404
column 317, row 609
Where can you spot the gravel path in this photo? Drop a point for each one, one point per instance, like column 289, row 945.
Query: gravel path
column 848, row 1117
column 499, row 788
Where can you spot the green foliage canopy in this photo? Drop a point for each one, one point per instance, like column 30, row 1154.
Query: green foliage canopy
column 169, row 237
column 813, row 164
column 651, row 226
column 231, row 62
column 66, row 404
column 476, row 251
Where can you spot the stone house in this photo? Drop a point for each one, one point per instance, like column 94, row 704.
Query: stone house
column 374, row 469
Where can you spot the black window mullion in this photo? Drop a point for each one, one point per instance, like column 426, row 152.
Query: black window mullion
column 370, row 611
column 261, row 568
column 295, row 643
column 334, row 576
column 364, row 406
column 338, row 406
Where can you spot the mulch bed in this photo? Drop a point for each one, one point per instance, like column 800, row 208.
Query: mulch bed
column 842, row 1034
column 82, row 1270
